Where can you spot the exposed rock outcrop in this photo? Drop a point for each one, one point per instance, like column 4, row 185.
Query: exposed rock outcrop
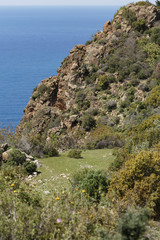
column 86, row 80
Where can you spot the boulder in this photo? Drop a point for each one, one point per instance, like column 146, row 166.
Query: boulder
column 38, row 164
column 4, row 147
column 107, row 27
column 5, row 155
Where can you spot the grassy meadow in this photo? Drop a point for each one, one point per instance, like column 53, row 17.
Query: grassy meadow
column 56, row 171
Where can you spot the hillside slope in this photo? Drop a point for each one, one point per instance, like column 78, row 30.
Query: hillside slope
column 111, row 84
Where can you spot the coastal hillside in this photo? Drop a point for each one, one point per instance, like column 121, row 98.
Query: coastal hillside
column 110, row 84
column 95, row 129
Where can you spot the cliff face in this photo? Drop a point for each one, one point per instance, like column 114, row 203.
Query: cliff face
column 103, row 83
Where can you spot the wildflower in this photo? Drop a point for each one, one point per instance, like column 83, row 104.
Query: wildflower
column 76, row 189
column 71, row 202
column 15, row 191
column 79, row 212
column 99, row 188
column 57, row 198
column 83, row 191
column 102, row 194
column 63, row 192
column 12, row 185
column 59, row 220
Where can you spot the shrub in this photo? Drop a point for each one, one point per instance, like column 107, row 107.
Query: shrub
column 133, row 224
column 29, row 167
column 111, row 105
column 154, row 98
column 49, row 150
column 141, row 106
column 153, row 52
column 139, row 180
column 121, row 155
column 91, row 78
column 144, row 74
column 16, row 157
column 93, row 182
column 88, row 42
column 104, row 82
column 39, row 91
column 130, row 94
column 80, row 100
column 155, row 35
column 129, row 16
column 74, row 153
column 42, row 89
column 113, row 63
column 135, row 68
column 7, row 135
column 144, row 3
column 148, row 131
column 125, row 104
column 104, row 137
column 88, row 122
column 139, row 25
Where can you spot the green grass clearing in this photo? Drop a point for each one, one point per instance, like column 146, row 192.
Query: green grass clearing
column 56, row 171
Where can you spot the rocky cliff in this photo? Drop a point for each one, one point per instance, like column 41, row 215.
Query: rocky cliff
column 100, row 87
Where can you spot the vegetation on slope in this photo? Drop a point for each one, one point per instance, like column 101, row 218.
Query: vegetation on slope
column 106, row 95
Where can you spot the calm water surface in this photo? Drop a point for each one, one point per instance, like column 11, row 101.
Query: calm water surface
column 33, row 43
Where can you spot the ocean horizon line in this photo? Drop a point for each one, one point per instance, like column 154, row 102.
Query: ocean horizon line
column 60, row 6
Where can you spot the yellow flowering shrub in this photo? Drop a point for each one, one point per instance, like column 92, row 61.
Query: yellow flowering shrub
column 139, row 180
column 154, row 98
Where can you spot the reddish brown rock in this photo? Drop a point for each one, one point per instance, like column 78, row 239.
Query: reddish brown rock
column 107, row 27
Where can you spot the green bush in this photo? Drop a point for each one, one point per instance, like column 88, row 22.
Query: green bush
column 125, row 104
column 81, row 101
column 129, row 16
column 130, row 94
column 88, row 122
column 113, row 63
column 42, row 89
column 94, row 183
column 29, row 167
column 135, row 68
column 133, row 224
column 121, row 156
column 104, row 82
column 16, row 157
column 139, row 181
column 91, row 78
column 104, row 137
column 74, row 153
column 49, row 150
column 154, row 98
column 139, row 25
column 111, row 105
column 39, row 91
column 144, row 3
column 155, row 35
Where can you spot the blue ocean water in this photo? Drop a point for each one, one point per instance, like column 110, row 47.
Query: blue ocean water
column 33, row 43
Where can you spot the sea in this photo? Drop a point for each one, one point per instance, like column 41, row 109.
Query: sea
column 33, row 43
